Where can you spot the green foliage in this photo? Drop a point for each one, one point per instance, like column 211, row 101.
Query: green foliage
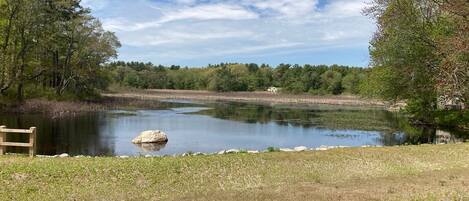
column 52, row 46
column 452, row 118
column 403, row 47
column 351, row 82
column 332, row 82
column 222, row 80
column 421, row 108
column 416, row 53
column 381, row 83
column 223, row 77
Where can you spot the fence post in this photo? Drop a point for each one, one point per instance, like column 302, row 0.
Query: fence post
column 32, row 141
column 2, row 139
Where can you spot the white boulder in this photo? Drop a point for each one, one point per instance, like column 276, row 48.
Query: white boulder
column 301, row 148
column 64, row 155
column 154, row 136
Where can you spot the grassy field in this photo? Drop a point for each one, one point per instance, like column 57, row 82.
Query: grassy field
column 427, row 172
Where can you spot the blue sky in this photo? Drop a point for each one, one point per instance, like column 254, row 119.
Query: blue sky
column 198, row 32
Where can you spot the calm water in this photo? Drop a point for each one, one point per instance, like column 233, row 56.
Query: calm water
column 213, row 127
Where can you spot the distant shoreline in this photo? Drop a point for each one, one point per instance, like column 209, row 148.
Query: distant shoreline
column 251, row 97
column 145, row 99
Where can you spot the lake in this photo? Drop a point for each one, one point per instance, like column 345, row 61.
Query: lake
column 211, row 127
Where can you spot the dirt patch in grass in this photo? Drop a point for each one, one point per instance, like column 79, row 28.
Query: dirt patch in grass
column 427, row 172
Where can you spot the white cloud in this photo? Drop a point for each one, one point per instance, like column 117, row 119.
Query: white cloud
column 287, row 8
column 174, row 31
column 204, row 12
column 177, row 37
column 210, row 12
column 96, row 5
column 345, row 8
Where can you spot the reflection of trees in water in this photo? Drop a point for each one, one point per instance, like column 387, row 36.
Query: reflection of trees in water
column 328, row 118
column 250, row 113
column 73, row 135
column 409, row 134
column 395, row 129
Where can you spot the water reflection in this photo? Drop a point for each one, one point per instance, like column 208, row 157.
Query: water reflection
column 151, row 147
column 215, row 126
column 74, row 135
column 394, row 129
column 333, row 117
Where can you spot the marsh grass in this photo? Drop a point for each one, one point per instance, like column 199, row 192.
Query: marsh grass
column 254, row 97
column 59, row 109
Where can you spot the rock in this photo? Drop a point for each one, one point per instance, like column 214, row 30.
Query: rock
column 301, row 148
column 286, row 150
column 253, row 152
column 154, row 136
column 232, row 151
column 64, row 155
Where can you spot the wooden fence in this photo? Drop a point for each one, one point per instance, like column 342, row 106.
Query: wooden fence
column 31, row 144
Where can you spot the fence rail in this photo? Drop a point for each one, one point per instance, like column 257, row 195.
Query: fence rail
column 31, row 144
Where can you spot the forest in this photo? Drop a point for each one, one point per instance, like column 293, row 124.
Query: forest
column 224, row 77
column 52, row 48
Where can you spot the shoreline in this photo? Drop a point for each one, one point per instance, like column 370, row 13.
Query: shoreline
column 297, row 149
column 246, row 97
column 147, row 99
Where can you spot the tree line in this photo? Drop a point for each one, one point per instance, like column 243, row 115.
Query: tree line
column 224, row 77
column 420, row 54
column 52, row 48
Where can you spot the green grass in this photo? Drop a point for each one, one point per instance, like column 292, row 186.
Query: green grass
column 427, row 172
